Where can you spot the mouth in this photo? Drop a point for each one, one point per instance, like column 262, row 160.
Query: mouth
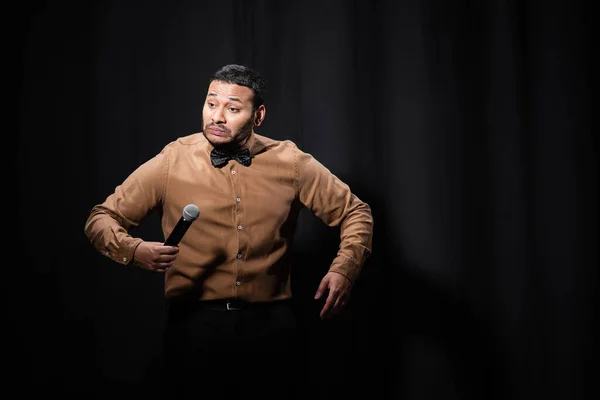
column 216, row 131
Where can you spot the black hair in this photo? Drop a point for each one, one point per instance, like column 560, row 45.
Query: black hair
column 243, row 76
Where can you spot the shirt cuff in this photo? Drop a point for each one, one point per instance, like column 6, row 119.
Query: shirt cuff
column 347, row 267
column 124, row 254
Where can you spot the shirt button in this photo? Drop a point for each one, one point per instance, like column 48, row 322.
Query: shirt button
column 124, row 259
column 238, row 199
column 239, row 255
column 239, row 227
column 238, row 283
column 233, row 172
column 107, row 253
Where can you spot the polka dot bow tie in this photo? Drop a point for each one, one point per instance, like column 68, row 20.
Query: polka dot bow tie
column 220, row 157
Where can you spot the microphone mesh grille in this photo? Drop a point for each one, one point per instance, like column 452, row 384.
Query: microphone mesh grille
column 191, row 212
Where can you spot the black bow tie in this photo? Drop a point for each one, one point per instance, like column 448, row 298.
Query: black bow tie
column 220, row 157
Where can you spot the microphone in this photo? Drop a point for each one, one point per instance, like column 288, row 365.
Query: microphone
column 190, row 213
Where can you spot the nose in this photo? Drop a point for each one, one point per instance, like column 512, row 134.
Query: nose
column 218, row 116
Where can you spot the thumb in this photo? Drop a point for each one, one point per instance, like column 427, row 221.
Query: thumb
column 322, row 287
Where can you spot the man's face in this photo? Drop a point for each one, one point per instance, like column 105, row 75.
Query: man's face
column 227, row 115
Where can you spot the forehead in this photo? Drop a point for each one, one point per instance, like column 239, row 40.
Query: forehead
column 227, row 90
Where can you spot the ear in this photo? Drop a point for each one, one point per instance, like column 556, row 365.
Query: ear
column 259, row 115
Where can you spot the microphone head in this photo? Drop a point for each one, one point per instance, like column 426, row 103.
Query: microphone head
column 191, row 212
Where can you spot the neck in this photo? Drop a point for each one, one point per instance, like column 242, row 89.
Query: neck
column 235, row 146
column 240, row 145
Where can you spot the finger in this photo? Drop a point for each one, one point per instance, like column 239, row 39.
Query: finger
column 166, row 258
column 169, row 250
column 322, row 288
column 328, row 304
column 340, row 305
column 340, row 302
column 162, row 266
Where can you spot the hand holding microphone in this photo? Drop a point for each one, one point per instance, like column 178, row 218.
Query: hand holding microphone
column 156, row 256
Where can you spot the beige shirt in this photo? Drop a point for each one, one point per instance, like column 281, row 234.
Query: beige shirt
column 239, row 246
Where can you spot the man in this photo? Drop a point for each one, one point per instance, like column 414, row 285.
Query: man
column 230, row 328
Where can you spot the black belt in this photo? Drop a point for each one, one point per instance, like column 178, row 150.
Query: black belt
column 224, row 305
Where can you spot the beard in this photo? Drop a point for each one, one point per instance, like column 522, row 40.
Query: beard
column 239, row 137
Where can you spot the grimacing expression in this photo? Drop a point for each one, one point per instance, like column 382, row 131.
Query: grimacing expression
column 228, row 115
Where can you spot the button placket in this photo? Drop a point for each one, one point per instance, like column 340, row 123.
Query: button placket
column 239, row 227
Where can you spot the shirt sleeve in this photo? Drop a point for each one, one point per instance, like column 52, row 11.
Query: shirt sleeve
column 333, row 202
column 108, row 224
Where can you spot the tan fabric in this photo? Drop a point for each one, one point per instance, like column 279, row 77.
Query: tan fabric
column 240, row 244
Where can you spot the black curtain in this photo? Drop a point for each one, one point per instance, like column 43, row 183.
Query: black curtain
column 464, row 124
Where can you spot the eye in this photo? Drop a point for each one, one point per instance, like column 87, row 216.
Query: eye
column 210, row 104
column 233, row 109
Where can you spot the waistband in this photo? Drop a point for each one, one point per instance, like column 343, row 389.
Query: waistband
column 224, row 305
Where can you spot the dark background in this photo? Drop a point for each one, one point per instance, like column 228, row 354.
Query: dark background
column 464, row 124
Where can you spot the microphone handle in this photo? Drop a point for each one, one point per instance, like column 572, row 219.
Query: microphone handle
column 178, row 232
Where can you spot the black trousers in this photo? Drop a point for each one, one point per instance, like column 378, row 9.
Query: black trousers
column 211, row 352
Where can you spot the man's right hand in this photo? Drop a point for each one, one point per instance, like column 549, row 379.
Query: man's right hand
column 154, row 256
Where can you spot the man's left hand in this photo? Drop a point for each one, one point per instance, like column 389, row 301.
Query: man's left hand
column 339, row 294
